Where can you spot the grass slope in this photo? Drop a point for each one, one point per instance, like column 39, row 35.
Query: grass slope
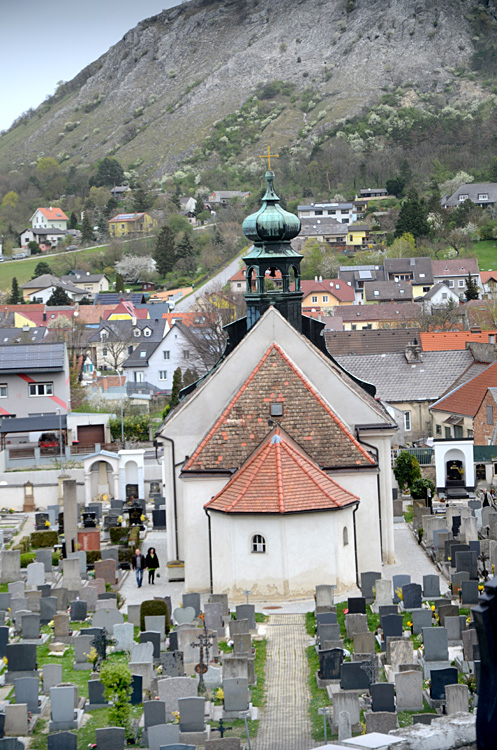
column 23, row 270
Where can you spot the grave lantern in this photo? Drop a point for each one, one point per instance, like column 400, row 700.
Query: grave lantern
column 29, row 500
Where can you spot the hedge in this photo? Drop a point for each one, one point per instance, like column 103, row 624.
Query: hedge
column 92, row 556
column 44, row 539
column 153, row 607
column 125, row 555
column 29, row 557
column 134, row 537
column 119, row 534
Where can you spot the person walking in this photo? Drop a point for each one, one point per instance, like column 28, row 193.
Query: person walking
column 151, row 563
column 138, row 563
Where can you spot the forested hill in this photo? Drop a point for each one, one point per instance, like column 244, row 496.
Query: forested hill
column 208, row 83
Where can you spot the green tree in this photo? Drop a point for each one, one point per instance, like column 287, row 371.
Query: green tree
column 15, row 294
column 73, row 220
column 41, row 268
column 58, row 298
column 165, row 254
column 109, row 172
column 472, row 290
column 187, row 256
column 406, row 469
column 119, row 285
column 395, row 186
column 142, row 200
column 412, row 217
column 87, row 229
column 176, row 387
column 34, row 247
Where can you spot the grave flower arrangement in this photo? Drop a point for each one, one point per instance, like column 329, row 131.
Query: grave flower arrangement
column 176, row 717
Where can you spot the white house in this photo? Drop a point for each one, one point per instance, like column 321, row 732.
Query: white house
column 49, row 218
column 345, row 213
column 440, row 295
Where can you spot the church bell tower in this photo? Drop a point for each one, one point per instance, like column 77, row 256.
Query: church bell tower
column 272, row 265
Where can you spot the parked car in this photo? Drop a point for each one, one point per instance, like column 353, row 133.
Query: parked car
column 73, row 247
column 50, row 441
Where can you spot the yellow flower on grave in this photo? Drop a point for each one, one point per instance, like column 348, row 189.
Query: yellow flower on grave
column 9, row 609
column 220, row 694
column 480, row 587
column 409, row 624
column 120, row 519
column 5, row 660
column 449, row 559
column 47, row 524
column 432, row 607
column 399, row 594
column 176, row 716
column 142, row 517
column 51, row 624
column 468, row 620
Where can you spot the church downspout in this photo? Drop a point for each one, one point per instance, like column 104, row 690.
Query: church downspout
column 358, row 583
column 210, row 551
column 378, row 487
column 175, row 507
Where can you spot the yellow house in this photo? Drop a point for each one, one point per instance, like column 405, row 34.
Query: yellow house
column 324, row 293
column 382, row 315
column 93, row 283
column 358, row 237
column 124, row 225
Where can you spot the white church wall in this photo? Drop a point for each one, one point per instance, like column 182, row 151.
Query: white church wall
column 302, row 551
column 195, row 493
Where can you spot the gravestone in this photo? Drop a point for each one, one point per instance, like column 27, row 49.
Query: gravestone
column 456, row 580
column 61, row 626
column 48, row 609
column 409, row 690
column 26, row 690
column 436, row 647
column 383, row 592
column 385, row 610
column 329, row 633
column 237, row 627
column 154, row 712
column 391, row 626
column 106, row 569
column 382, row 696
column 136, row 690
column 236, row 694
column 364, row 643
column 421, row 618
column 107, row 618
column 173, row 640
column 96, row 697
column 440, row 678
column 469, row 593
column 368, row 583
column 398, row 581
column 78, row 611
column 172, row 664
column 182, row 616
column 110, row 553
column 16, row 588
column 469, row 639
column 152, row 637
column 82, row 647
column 21, row 657
column 242, row 644
column 4, row 639
column 33, row 599
column 344, row 726
column 412, row 596
column 36, row 574
column 453, row 627
column 52, row 676
column 62, row 699
column 157, row 623
column 326, row 618
column 163, row 735
column 81, row 556
column 186, row 637
column 353, row 676
column 348, row 702
column 45, row 589
column 246, row 612
column 110, row 738
column 324, row 596
column 356, row 624
column 123, row 636
column 380, row 722
column 62, row 596
column 192, row 600
column 235, row 666
column 217, row 598
column 134, row 614
column 330, row 663
column 467, row 561
column 30, row 625
column 16, row 720
column 62, row 741
column 456, row 699
column 357, row 605
column 448, row 610
column 5, row 601
column 172, row 689
column 191, row 714
column 70, row 574
column 213, row 617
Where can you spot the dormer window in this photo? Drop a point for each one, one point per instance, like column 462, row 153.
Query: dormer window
column 483, row 196
column 104, row 335
column 147, row 332
column 143, row 354
column 136, row 332
column 463, row 197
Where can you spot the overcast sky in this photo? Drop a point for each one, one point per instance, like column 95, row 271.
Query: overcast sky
column 46, row 41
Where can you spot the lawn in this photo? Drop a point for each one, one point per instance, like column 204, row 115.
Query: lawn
column 23, row 270
column 486, row 252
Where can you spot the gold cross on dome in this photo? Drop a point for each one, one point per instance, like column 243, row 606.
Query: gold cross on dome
column 268, row 157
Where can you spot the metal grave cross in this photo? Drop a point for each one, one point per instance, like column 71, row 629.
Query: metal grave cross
column 268, row 157
column 204, row 643
column 221, row 728
column 369, row 667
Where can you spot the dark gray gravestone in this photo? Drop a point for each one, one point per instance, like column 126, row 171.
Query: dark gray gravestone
column 191, row 714
column 107, row 595
column 469, row 592
column 382, row 696
column 474, row 546
column 421, row 618
column 2, row 729
column 391, row 625
column 21, row 657
column 397, row 583
column 456, row 525
column 5, row 598
column 330, row 663
column 412, row 596
column 448, row 610
column 62, row 741
column 388, row 609
column 353, row 677
column 99, row 640
column 436, row 644
column 193, row 600
column 172, row 664
column 423, row 718
column 152, row 636
column 4, row 639
column 357, row 605
column 30, row 626
column 467, row 561
column 326, row 618
column 457, row 578
column 431, row 586
column 451, row 547
column 329, row 632
column 79, row 610
column 96, row 693
column 136, row 689
column 154, row 712
column 246, row 612
column 173, row 640
column 110, row 738
column 367, row 583
column 26, row 691
column 45, row 588
column 440, row 678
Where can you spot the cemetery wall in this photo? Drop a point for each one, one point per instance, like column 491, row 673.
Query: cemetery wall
column 45, row 487
column 302, row 550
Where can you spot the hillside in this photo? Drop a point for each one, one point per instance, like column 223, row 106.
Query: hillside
column 154, row 99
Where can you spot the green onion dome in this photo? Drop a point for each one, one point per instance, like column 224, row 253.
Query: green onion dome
column 271, row 223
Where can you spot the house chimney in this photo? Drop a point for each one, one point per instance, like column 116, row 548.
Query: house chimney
column 413, row 353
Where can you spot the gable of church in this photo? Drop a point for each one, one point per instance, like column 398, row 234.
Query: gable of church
column 276, row 385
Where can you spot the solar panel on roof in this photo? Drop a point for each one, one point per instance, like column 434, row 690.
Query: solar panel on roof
column 365, row 275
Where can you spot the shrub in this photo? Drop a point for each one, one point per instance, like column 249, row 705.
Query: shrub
column 44, row 539
column 116, row 679
column 406, row 469
column 27, row 558
column 119, row 535
column 153, row 607
column 92, row 556
column 134, row 537
column 420, row 486
column 125, row 555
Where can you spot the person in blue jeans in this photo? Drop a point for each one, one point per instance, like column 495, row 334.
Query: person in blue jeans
column 138, row 565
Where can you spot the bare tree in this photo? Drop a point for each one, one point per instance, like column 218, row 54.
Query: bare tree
column 117, row 343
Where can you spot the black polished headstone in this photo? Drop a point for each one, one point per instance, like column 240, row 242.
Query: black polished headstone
column 382, row 696
column 440, row 678
column 357, row 605
column 330, row 662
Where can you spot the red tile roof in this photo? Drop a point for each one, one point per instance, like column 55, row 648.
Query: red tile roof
column 486, row 276
column 126, row 307
column 467, row 398
column 338, row 287
column 53, row 214
column 280, row 478
column 452, row 340
column 307, row 418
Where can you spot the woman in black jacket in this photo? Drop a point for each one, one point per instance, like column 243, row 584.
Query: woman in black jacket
column 151, row 563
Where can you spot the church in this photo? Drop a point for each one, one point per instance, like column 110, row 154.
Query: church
column 277, row 469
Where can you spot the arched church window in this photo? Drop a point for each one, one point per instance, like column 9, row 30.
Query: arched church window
column 345, row 536
column 258, row 543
